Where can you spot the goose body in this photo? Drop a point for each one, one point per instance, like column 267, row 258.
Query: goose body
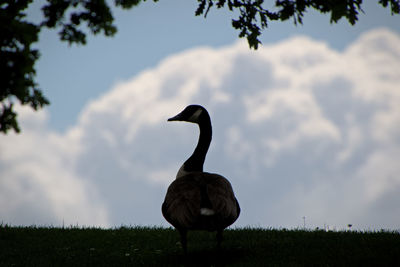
column 198, row 200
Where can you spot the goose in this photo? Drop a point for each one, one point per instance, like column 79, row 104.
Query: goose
column 198, row 200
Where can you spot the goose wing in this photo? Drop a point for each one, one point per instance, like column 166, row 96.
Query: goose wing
column 182, row 202
column 222, row 198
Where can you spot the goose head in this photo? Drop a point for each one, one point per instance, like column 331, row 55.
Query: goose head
column 192, row 113
column 199, row 115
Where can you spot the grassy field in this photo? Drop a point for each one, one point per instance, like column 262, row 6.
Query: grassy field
column 145, row 246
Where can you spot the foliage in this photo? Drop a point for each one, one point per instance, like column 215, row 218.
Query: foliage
column 17, row 63
column 17, row 36
column 253, row 17
column 72, row 16
column 144, row 246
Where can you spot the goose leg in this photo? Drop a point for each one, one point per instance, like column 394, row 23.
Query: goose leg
column 219, row 238
column 182, row 233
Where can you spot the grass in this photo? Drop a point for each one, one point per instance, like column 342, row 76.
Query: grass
column 146, row 246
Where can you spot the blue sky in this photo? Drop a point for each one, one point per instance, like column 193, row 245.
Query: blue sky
column 72, row 75
column 306, row 126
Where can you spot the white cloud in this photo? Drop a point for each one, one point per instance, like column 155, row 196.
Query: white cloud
column 299, row 129
column 37, row 181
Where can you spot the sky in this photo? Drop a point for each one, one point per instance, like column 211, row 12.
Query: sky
column 304, row 127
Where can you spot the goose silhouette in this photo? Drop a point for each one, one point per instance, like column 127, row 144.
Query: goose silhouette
column 198, row 200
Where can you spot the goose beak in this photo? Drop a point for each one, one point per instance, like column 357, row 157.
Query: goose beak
column 176, row 118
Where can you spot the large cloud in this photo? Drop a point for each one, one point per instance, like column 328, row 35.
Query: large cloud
column 38, row 183
column 299, row 129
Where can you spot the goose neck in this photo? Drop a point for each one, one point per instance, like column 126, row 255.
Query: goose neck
column 196, row 161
